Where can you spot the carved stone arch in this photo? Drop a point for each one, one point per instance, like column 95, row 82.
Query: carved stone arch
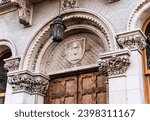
column 9, row 45
column 139, row 16
column 74, row 20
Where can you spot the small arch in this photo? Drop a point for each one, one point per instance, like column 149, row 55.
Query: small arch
column 139, row 16
column 5, row 53
column 6, row 44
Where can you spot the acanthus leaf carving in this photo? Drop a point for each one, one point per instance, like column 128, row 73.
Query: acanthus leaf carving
column 29, row 83
column 132, row 40
column 12, row 64
column 113, row 65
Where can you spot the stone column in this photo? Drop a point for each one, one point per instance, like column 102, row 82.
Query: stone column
column 114, row 66
column 135, row 42
column 24, row 87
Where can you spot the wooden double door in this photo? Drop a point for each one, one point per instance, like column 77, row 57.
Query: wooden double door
column 86, row 88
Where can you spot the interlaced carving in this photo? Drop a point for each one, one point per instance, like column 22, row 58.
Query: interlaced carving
column 28, row 83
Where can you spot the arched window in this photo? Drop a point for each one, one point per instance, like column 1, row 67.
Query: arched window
column 4, row 54
column 146, row 29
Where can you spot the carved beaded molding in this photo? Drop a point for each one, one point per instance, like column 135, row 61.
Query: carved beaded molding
column 133, row 15
column 132, row 40
column 25, row 11
column 32, row 84
column 12, row 64
column 43, row 36
column 113, row 64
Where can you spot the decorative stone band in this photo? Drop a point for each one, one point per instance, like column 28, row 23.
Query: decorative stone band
column 113, row 64
column 132, row 40
column 27, row 82
column 12, row 64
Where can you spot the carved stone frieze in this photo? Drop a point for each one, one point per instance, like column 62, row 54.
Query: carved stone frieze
column 34, row 84
column 25, row 11
column 68, row 4
column 112, row 64
column 12, row 64
column 132, row 40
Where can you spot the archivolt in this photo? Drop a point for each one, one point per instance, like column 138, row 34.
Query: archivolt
column 42, row 39
column 140, row 12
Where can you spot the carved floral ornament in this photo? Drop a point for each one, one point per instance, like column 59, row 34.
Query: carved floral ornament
column 114, row 64
column 68, row 4
column 28, row 83
column 132, row 40
column 12, row 64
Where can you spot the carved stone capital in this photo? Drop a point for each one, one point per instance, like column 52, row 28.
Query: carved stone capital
column 132, row 40
column 113, row 64
column 33, row 84
column 25, row 11
column 12, row 64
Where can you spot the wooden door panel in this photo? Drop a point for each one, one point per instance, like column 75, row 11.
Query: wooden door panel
column 63, row 90
column 89, row 88
column 92, row 88
column 101, row 98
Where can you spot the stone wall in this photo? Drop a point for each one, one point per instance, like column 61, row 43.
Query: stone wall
column 117, row 14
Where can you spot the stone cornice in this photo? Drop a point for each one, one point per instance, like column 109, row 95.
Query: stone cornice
column 27, row 82
column 132, row 40
column 114, row 63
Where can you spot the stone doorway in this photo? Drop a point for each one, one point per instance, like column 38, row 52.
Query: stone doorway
column 83, row 88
